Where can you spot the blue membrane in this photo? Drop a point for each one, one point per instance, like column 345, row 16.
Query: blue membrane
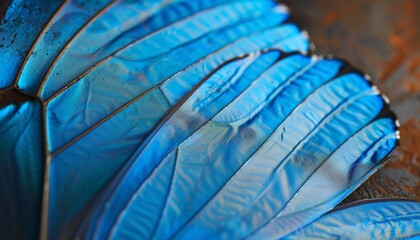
column 82, row 41
column 61, row 28
column 242, row 153
column 172, row 119
column 21, row 171
column 19, row 27
column 375, row 219
column 81, row 144
column 151, row 39
column 125, row 79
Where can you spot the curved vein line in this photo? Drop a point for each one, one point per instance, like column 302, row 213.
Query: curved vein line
column 282, row 56
column 165, row 202
column 120, row 215
column 368, row 201
column 282, row 86
column 338, row 148
column 239, row 95
column 119, row 109
column 43, row 233
column 274, row 93
column 142, row 94
column 167, row 79
column 34, row 43
column 372, row 146
column 48, row 155
column 238, row 74
column 216, row 51
column 130, row 44
column 230, row 45
column 324, row 121
column 119, row 177
column 171, row 152
column 252, row 156
column 153, row 132
column 66, row 46
column 209, row 34
column 337, row 110
column 90, row 129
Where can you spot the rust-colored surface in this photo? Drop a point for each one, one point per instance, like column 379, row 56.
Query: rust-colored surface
column 382, row 38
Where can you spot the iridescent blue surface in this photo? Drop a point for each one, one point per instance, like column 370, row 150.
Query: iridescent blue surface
column 61, row 28
column 161, row 119
column 250, row 149
column 380, row 219
column 19, row 27
column 95, row 66
column 21, row 171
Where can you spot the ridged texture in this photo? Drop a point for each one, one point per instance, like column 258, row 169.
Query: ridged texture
column 378, row 219
column 171, row 119
column 259, row 142
column 63, row 25
column 21, row 171
column 90, row 68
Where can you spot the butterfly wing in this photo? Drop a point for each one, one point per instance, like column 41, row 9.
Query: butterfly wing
column 375, row 219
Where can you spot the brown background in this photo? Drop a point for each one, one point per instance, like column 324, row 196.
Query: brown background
column 382, row 38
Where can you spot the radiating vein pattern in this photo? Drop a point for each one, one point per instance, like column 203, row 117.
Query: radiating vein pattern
column 161, row 119
column 144, row 70
column 263, row 138
column 94, row 66
column 108, row 91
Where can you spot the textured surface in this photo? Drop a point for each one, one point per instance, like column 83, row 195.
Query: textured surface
column 379, row 219
column 75, row 76
column 100, row 121
column 380, row 37
column 232, row 160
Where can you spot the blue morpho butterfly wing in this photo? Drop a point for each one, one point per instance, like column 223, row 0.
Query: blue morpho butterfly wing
column 249, row 148
column 83, row 168
column 69, row 192
column 71, row 53
column 74, row 18
column 19, row 124
column 19, row 27
column 350, row 165
column 103, row 159
column 145, row 64
column 374, row 219
column 21, row 171
column 78, row 60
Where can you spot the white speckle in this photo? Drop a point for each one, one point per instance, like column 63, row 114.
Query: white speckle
column 386, row 98
column 376, row 90
column 305, row 34
column 282, row 8
column 316, row 58
column 397, row 134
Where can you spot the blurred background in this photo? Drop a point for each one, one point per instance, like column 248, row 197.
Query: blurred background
column 381, row 38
